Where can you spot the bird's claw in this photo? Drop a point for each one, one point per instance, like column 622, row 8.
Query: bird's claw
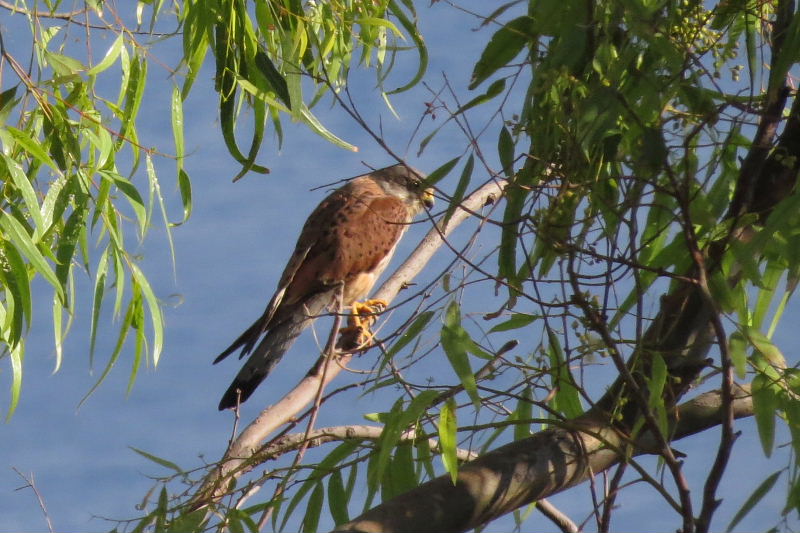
column 361, row 320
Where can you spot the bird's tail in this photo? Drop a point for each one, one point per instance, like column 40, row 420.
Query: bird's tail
column 269, row 352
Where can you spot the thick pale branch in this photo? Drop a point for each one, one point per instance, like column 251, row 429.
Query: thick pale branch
column 321, row 436
column 238, row 458
column 525, row 471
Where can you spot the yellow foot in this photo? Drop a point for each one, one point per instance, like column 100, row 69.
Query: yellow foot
column 362, row 318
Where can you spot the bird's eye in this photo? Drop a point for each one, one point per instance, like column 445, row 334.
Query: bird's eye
column 415, row 184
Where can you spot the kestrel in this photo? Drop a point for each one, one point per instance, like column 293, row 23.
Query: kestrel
column 343, row 248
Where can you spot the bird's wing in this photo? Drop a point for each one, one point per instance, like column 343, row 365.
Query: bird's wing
column 312, row 240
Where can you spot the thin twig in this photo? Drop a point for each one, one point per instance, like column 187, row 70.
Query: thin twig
column 31, row 485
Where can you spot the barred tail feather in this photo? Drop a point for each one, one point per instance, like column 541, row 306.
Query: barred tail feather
column 270, row 350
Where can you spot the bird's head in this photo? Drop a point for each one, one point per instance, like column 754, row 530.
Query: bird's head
column 406, row 182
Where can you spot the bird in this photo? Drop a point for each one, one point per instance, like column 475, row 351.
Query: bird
column 343, row 248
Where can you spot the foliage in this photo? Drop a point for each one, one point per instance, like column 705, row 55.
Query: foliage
column 649, row 226
column 80, row 190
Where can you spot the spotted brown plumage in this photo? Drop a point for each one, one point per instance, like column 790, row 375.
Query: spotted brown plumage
column 345, row 244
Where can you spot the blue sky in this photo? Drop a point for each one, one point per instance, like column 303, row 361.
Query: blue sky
column 228, row 260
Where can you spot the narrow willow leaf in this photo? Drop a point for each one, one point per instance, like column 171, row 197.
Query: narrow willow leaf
column 123, row 335
column 737, row 350
column 496, row 87
column 438, row 174
column 765, row 346
column 769, row 282
column 58, row 332
column 317, row 127
column 139, row 344
column 411, row 333
column 338, row 499
column 402, row 469
column 20, row 285
column 135, row 200
column 176, row 112
column 502, row 48
column 461, row 188
column 419, row 45
column 273, row 76
column 33, row 147
column 424, row 459
column 392, row 429
column 765, row 407
column 156, row 319
column 524, row 411
column 158, row 460
column 505, row 150
column 763, row 488
column 63, row 65
column 111, row 56
column 19, row 238
column 155, row 186
column 25, row 188
column 456, row 344
column 313, row 509
column 323, row 468
column 448, row 426
column 517, row 321
column 507, row 255
column 17, row 353
column 566, row 400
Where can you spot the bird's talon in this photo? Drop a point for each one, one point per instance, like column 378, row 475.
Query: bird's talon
column 360, row 321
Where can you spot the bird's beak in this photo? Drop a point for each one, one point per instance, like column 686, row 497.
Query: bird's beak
column 427, row 198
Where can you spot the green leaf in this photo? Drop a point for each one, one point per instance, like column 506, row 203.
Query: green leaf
column 317, row 127
column 517, row 321
column 392, row 429
column 273, row 76
column 524, row 411
column 63, row 65
column 97, row 300
column 158, row 460
column 313, row 509
column 185, row 187
column 461, row 188
column 448, row 426
column 25, row 188
column 456, row 344
column 438, row 174
column 503, row 47
column 20, row 285
column 111, row 56
column 338, row 499
column 19, row 238
column 411, row 333
column 763, row 488
column 323, row 468
column 737, row 350
column 33, row 147
column 156, row 319
column 505, row 150
column 507, row 255
column 566, row 400
column 17, row 353
column 765, row 347
column 419, row 44
column 401, row 470
column 494, row 89
column 765, row 407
